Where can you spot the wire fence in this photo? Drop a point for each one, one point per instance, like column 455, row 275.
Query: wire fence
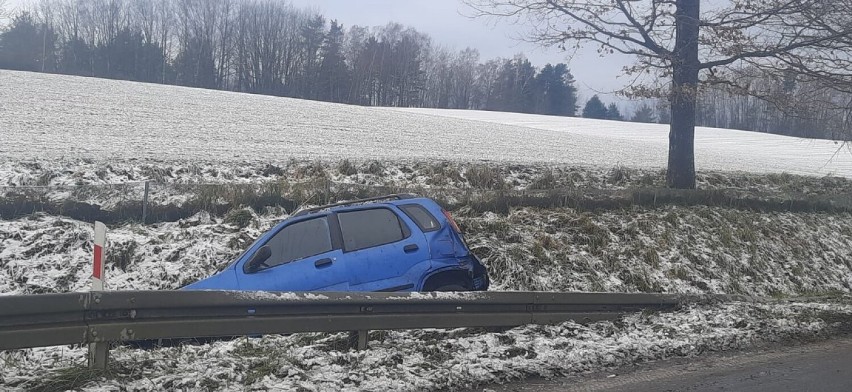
column 155, row 201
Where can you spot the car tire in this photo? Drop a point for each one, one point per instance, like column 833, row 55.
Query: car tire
column 451, row 287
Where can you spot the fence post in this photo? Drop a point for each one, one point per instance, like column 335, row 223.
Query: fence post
column 145, row 202
column 358, row 339
column 328, row 191
column 99, row 352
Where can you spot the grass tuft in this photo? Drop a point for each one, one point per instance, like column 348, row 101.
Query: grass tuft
column 239, row 217
column 547, row 180
column 485, row 177
column 347, row 168
column 69, row 379
column 619, row 175
column 652, row 258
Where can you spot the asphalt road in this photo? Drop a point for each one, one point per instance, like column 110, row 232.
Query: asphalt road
column 821, row 366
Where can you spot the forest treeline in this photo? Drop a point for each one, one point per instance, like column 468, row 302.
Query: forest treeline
column 270, row 47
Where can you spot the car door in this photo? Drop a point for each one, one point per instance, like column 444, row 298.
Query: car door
column 304, row 257
column 381, row 251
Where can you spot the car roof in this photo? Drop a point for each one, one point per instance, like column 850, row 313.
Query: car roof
column 393, row 199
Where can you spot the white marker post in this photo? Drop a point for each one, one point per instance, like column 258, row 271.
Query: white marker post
column 99, row 352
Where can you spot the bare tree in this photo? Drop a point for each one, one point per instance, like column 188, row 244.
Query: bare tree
column 674, row 40
column 143, row 18
column 463, row 71
column 438, row 78
column 164, row 22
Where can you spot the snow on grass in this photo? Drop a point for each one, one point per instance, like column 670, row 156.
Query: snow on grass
column 113, row 192
column 49, row 117
column 83, row 175
column 45, row 254
column 668, row 249
column 425, row 360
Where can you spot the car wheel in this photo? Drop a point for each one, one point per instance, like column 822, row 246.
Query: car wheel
column 451, row 287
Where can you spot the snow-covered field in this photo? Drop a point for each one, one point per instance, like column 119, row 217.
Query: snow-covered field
column 49, row 116
column 46, row 117
column 715, row 148
column 77, row 137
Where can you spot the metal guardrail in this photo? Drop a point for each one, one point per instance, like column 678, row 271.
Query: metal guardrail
column 122, row 316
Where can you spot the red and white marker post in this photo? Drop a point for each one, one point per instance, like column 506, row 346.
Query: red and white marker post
column 100, row 250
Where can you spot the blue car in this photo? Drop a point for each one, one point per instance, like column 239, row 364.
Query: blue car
column 389, row 243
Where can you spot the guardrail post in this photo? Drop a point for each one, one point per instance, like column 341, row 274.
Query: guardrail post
column 98, row 355
column 358, row 339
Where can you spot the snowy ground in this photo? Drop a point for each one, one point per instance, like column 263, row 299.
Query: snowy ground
column 49, row 116
column 180, row 189
column 46, row 117
column 670, row 249
column 715, row 148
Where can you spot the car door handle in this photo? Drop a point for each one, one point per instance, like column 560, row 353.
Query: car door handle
column 410, row 248
column 322, row 263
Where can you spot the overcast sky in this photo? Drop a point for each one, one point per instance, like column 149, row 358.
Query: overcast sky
column 447, row 22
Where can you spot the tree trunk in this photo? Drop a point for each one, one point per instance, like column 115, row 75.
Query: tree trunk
column 681, row 170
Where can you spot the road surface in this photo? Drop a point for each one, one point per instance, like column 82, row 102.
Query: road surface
column 820, row 366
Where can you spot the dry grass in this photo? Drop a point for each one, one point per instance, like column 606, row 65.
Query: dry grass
column 481, row 187
column 641, row 250
column 68, row 379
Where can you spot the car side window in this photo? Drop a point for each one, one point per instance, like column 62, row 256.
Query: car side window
column 300, row 240
column 368, row 228
column 424, row 220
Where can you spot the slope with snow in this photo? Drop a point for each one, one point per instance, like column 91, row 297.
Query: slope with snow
column 64, row 117
column 715, row 148
column 42, row 254
column 50, row 116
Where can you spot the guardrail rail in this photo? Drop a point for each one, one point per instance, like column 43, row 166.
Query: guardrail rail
column 103, row 317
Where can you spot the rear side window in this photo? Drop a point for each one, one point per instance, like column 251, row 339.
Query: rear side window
column 300, row 240
column 421, row 217
column 368, row 228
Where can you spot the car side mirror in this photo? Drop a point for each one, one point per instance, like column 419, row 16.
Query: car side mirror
column 259, row 259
